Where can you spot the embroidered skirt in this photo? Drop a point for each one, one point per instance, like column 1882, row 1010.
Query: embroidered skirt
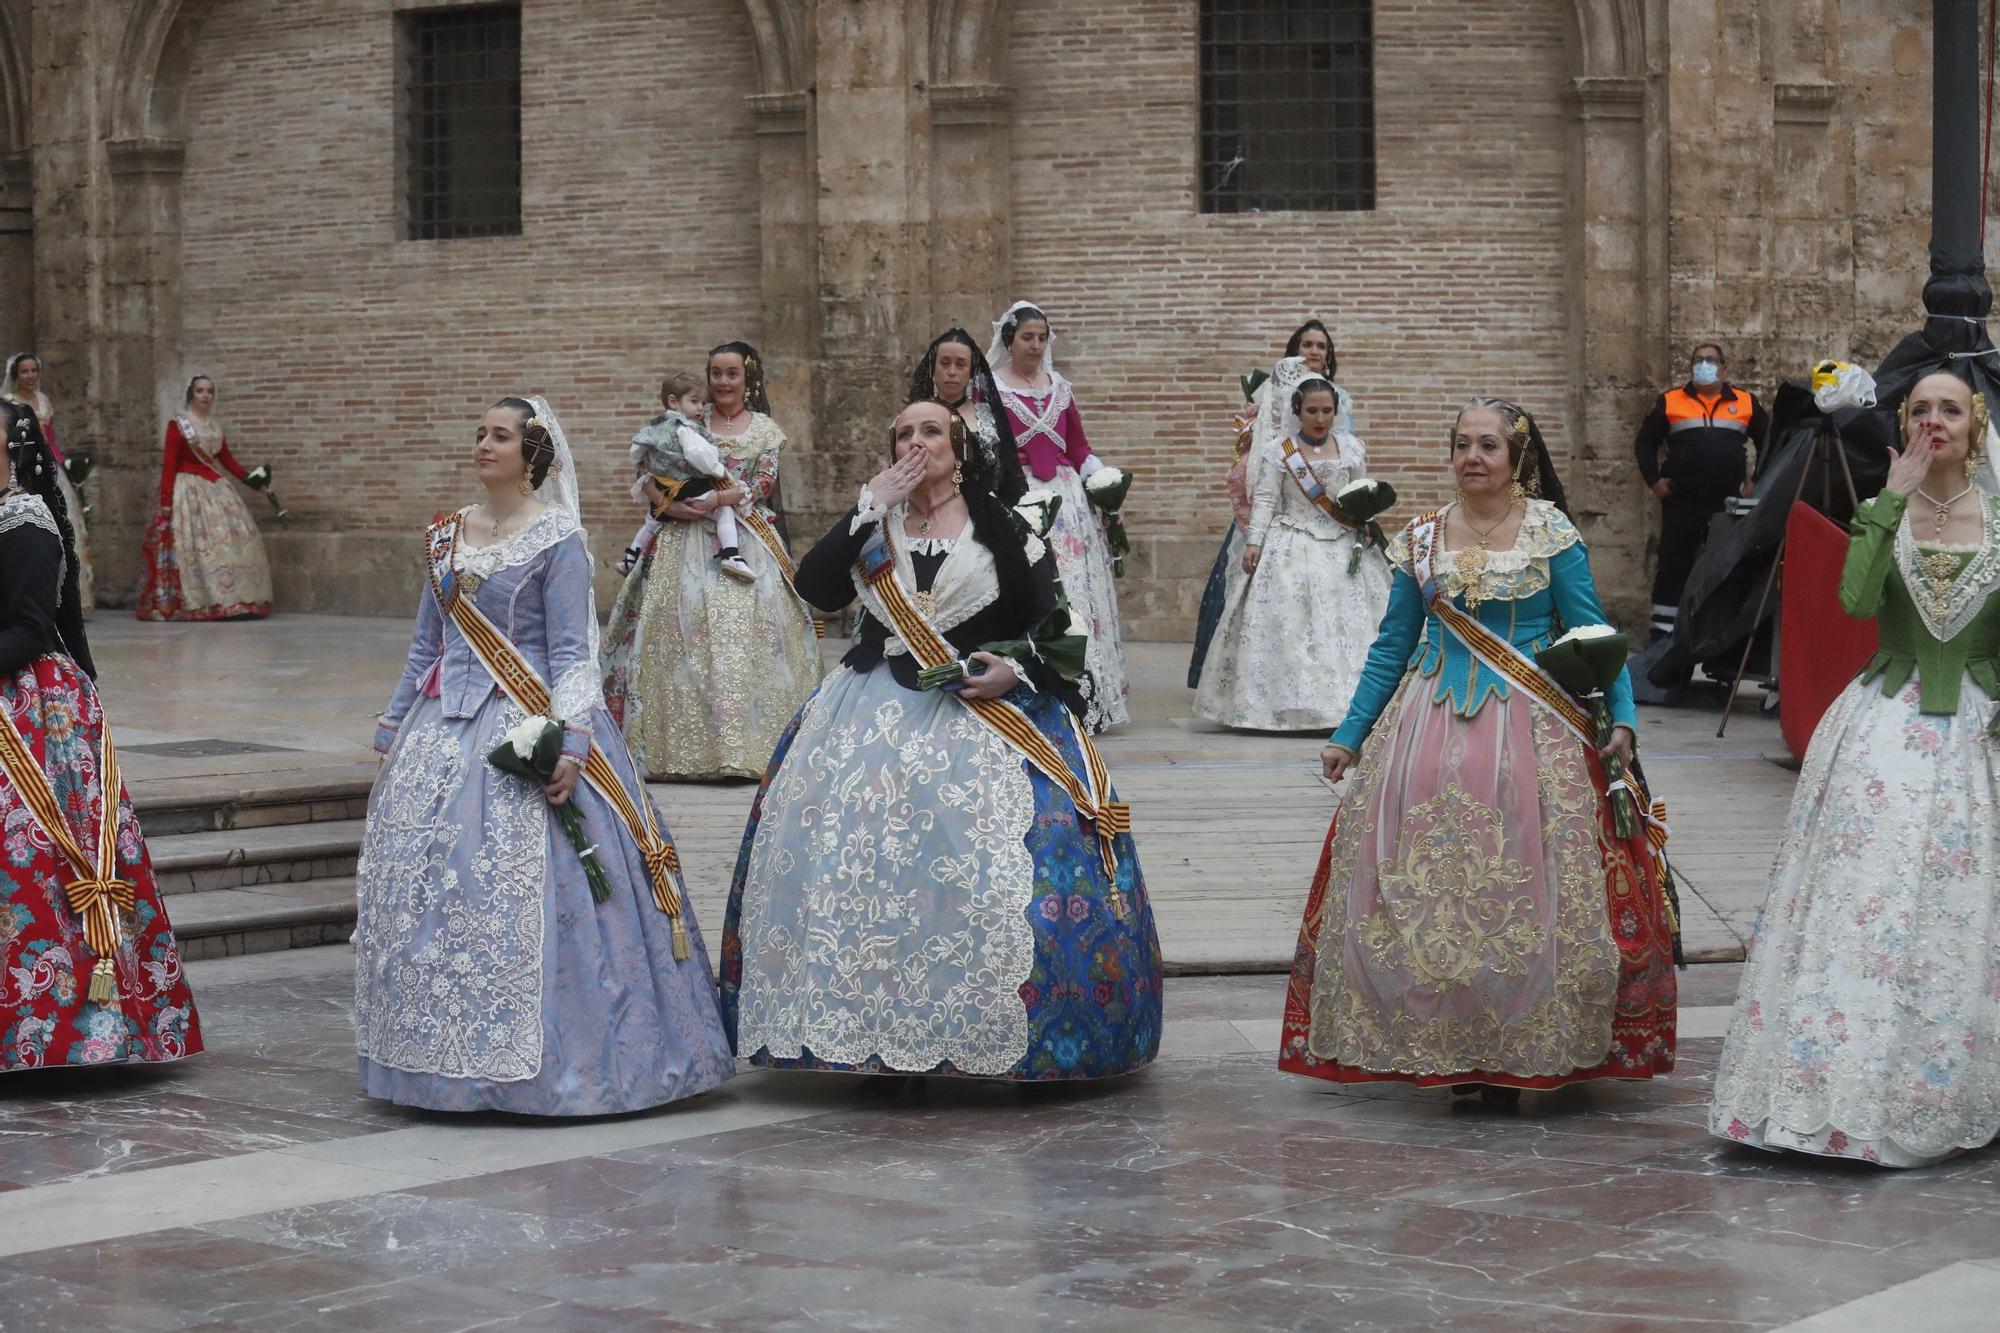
column 912, row 897
column 203, row 557
column 701, row 671
column 1474, row 919
column 486, row 978
column 45, row 961
column 1868, row 1022
column 1084, row 563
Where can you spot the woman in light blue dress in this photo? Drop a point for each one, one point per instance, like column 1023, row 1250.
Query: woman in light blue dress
column 486, row 976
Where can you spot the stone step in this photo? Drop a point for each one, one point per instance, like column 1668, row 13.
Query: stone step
column 224, row 922
column 198, row 863
column 176, row 805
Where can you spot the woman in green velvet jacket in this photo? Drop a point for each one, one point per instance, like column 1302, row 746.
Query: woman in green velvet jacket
column 1868, row 1025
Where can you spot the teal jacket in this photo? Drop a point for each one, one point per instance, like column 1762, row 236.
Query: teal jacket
column 1533, row 593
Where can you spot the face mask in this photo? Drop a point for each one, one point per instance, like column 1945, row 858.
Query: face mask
column 1706, row 372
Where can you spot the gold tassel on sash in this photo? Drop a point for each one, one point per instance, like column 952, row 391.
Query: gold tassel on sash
column 96, row 895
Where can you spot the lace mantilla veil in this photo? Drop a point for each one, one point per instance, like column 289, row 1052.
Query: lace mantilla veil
column 560, row 490
column 997, row 354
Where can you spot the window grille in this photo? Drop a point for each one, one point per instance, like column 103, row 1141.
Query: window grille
column 1287, row 105
column 462, row 121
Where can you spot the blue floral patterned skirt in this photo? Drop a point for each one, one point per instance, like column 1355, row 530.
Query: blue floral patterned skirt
column 1214, row 596
column 913, row 897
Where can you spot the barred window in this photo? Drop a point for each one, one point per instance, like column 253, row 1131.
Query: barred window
column 461, row 121
column 1287, row 105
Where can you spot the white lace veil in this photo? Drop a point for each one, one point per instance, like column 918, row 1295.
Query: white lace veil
column 997, row 354
column 41, row 403
column 560, row 491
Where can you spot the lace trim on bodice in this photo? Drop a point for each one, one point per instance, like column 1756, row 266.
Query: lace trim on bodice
column 485, row 561
column 1038, row 412
column 1520, row 571
column 967, row 583
column 1947, row 589
column 761, row 436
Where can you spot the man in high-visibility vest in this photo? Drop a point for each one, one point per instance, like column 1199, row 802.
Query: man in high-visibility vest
column 1697, row 447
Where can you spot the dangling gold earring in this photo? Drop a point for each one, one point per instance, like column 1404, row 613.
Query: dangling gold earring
column 1516, row 491
column 527, row 487
column 957, row 475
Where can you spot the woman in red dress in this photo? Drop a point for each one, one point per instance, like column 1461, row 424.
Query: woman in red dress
column 204, row 557
column 89, row 973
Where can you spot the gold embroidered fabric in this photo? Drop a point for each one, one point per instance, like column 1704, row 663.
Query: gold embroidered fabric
column 1949, row 585
column 1465, row 924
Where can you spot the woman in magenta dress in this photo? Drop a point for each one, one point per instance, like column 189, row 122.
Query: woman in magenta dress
column 203, row 557
column 89, row 972
column 1057, row 455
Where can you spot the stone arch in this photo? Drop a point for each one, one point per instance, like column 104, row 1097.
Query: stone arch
column 1611, row 39
column 968, row 40
column 155, row 56
column 780, row 32
column 13, row 81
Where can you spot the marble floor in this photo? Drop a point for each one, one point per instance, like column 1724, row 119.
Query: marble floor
column 254, row 1188
column 1229, row 824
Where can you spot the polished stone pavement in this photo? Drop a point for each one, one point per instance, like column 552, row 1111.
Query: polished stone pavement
column 254, row 1188
column 1229, row 824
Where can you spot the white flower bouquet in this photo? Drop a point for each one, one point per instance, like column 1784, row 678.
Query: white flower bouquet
column 531, row 749
column 1106, row 489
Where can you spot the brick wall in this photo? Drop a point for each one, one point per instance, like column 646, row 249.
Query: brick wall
column 1452, row 286
column 358, row 362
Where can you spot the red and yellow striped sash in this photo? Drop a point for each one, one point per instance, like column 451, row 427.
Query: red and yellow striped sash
column 767, row 534
column 1110, row 818
column 96, row 895
column 521, row 684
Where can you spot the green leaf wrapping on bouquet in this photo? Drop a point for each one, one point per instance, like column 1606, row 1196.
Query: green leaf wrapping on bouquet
column 1252, row 382
column 1119, row 543
column 1054, row 643
column 78, row 467
column 258, row 478
column 1365, row 500
column 539, row 767
column 540, row 763
column 937, row 677
column 1108, row 495
column 1624, row 816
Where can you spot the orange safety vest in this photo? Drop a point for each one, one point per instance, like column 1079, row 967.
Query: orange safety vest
column 1729, row 410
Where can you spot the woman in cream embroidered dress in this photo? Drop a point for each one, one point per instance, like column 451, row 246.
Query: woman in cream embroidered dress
column 485, row 976
column 1295, row 631
column 22, row 383
column 1868, row 1021
column 702, row 671
column 203, row 557
column 1474, row 920
column 1058, row 456
column 1311, row 341
column 913, row 895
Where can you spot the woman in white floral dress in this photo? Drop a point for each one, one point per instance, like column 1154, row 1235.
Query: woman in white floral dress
column 1868, row 1025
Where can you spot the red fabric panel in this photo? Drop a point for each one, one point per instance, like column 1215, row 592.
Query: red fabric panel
column 1820, row 647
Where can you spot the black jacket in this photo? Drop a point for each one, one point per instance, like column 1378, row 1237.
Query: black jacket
column 30, row 559
column 1702, row 462
column 825, row 579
